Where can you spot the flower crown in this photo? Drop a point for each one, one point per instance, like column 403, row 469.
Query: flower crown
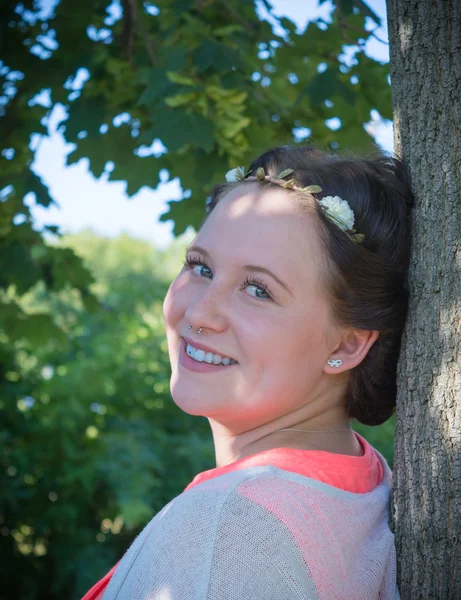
column 334, row 207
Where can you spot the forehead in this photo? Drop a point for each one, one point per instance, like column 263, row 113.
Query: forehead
column 265, row 224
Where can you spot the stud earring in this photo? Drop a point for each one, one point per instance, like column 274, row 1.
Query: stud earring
column 335, row 363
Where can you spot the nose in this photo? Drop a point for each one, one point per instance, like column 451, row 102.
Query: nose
column 206, row 310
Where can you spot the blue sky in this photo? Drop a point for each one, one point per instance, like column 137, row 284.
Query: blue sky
column 84, row 202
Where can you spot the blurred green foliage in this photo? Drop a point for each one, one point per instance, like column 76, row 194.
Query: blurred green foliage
column 91, row 443
column 94, row 445
column 382, row 437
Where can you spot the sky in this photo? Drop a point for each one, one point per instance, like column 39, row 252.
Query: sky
column 85, row 202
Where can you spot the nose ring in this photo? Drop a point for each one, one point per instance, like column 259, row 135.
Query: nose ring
column 198, row 330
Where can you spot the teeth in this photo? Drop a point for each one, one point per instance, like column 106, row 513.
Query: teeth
column 199, row 355
column 209, row 357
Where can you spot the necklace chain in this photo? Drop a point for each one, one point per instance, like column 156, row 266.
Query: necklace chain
column 287, row 429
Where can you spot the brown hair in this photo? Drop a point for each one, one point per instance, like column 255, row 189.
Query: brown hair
column 366, row 282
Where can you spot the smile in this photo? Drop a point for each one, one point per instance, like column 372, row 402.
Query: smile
column 208, row 357
column 188, row 360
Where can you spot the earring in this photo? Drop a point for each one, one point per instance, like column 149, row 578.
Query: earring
column 335, row 363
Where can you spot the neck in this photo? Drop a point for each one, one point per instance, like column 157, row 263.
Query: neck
column 232, row 447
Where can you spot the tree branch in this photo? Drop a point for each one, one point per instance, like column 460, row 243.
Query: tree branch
column 344, row 24
column 143, row 33
column 127, row 34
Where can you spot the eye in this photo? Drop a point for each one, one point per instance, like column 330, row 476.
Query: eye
column 193, row 261
column 259, row 285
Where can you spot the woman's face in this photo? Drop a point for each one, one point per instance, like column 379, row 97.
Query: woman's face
column 278, row 337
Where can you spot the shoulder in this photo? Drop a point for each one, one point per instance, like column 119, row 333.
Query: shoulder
column 266, row 486
column 253, row 533
column 252, row 548
column 280, row 481
column 220, row 539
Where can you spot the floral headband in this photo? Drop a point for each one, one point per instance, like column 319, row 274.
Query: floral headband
column 335, row 208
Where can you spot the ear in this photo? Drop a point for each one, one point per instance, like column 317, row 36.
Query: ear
column 352, row 350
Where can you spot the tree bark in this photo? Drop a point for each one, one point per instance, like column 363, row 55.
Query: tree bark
column 425, row 67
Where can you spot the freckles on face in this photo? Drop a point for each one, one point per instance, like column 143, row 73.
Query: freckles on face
column 279, row 342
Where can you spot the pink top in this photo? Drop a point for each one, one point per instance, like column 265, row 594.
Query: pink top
column 358, row 474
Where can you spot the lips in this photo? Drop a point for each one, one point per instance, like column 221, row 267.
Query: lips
column 200, row 346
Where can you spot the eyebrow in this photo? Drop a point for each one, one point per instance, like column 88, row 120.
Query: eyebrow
column 246, row 267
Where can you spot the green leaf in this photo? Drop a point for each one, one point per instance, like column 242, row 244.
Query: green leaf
column 86, row 114
column 139, row 172
column 227, row 30
column 116, row 145
column 36, row 329
column 179, row 79
column 184, row 213
column 237, row 98
column 67, row 268
column 313, row 189
column 17, row 267
column 34, row 184
column 231, row 81
column 288, row 24
column 53, row 229
column 177, row 128
column 366, row 10
column 326, row 85
column 211, row 54
column 284, row 173
column 374, row 90
column 157, row 86
column 231, row 129
column 180, row 99
column 173, row 57
column 260, row 174
column 346, row 6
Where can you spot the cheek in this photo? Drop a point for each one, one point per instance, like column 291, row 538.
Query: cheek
column 172, row 306
column 297, row 344
column 269, row 344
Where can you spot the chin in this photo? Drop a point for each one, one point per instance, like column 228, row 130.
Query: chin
column 184, row 399
column 190, row 403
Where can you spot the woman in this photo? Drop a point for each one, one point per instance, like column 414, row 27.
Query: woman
column 284, row 324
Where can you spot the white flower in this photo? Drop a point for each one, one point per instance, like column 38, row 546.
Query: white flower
column 339, row 210
column 236, row 174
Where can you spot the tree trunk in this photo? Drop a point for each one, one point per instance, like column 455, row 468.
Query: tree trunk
column 425, row 67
